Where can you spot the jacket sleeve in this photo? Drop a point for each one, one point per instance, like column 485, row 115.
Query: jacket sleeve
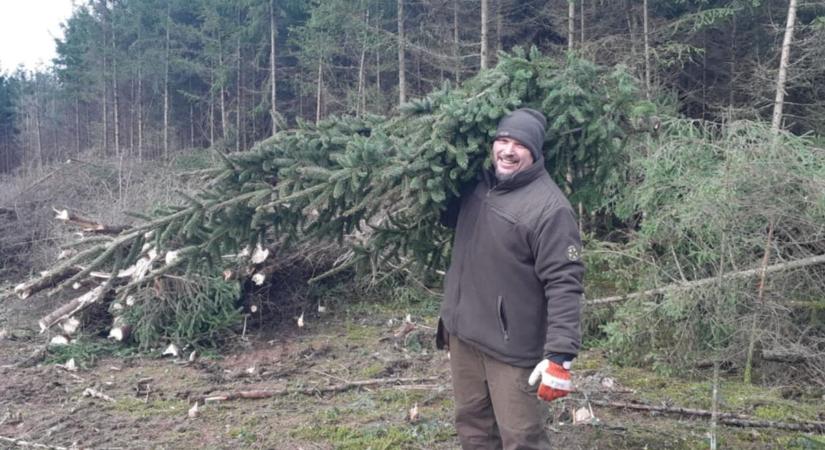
column 558, row 264
column 449, row 216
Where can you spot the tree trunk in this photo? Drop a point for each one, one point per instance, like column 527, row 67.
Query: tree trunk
column 139, row 101
column 484, row 37
column 378, row 70
column 211, row 108
column 402, row 67
column 238, row 84
column 131, row 119
column 166, row 88
column 191, row 124
column 418, row 77
column 647, row 49
column 763, row 276
column 732, row 72
column 139, row 98
column 38, row 134
column 776, row 121
column 704, row 73
column 300, row 100
column 581, row 23
column 499, row 27
column 273, row 32
column 631, row 30
column 77, row 124
column 714, row 402
column 320, row 86
column 115, row 106
column 224, row 118
column 361, row 105
column 105, row 137
column 456, row 47
column 571, row 24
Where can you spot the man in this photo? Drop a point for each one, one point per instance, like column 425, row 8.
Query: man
column 511, row 309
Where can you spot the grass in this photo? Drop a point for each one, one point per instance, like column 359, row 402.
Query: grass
column 151, row 409
column 244, row 435
column 86, row 350
column 377, row 419
column 380, row 435
column 734, row 396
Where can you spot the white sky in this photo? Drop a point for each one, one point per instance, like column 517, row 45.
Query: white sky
column 28, row 29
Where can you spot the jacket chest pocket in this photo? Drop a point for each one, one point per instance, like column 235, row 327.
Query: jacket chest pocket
column 504, row 237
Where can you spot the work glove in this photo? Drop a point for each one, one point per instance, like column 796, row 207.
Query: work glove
column 555, row 379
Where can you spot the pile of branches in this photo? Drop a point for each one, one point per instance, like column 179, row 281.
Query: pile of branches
column 374, row 185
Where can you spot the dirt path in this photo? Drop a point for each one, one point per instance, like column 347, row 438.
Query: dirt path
column 150, row 397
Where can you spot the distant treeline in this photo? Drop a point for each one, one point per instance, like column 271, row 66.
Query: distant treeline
column 141, row 78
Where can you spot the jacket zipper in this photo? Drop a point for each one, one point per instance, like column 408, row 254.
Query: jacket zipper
column 500, row 312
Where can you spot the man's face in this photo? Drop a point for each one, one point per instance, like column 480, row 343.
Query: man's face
column 510, row 157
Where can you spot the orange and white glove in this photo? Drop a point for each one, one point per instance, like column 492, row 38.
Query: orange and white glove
column 555, row 379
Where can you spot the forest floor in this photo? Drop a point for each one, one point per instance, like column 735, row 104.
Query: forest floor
column 373, row 374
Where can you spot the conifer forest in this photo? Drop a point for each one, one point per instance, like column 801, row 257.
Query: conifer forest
column 220, row 220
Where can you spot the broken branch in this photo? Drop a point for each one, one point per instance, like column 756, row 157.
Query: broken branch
column 22, row 443
column 87, row 225
column 706, row 281
column 265, row 393
column 739, row 420
column 89, row 392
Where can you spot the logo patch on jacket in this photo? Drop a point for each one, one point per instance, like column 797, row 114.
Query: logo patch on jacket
column 573, row 253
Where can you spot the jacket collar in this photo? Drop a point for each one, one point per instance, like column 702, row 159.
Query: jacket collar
column 518, row 180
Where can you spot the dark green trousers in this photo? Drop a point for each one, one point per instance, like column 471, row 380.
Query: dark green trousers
column 495, row 408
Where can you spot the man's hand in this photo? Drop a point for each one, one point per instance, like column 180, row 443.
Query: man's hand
column 555, row 380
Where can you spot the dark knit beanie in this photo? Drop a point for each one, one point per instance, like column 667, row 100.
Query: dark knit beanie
column 526, row 126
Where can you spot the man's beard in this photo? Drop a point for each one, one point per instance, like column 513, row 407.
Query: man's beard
column 501, row 177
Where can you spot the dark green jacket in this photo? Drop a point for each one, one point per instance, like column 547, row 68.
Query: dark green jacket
column 514, row 286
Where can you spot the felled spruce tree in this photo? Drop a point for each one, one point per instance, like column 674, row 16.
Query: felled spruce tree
column 382, row 180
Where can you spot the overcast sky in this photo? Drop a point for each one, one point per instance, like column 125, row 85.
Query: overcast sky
column 28, row 29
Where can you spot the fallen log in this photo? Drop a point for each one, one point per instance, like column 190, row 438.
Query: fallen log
column 732, row 419
column 87, row 225
column 46, row 279
column 22, row 443
column 71, row 308
column 267, row 393
column 792, row 356
column 820, row 259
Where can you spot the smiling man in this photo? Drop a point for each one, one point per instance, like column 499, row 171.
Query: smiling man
column 512, row 298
